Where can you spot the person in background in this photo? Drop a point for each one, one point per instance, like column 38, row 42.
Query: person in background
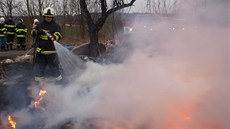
column 46, row 32
column 2, row 34
column 10, row 26
column 21, row 31
column 36, row 21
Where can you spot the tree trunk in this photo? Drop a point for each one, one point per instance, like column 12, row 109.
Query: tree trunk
column 94, row 51
column 95, row 26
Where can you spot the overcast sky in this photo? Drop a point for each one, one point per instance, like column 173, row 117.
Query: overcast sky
column 139, row 6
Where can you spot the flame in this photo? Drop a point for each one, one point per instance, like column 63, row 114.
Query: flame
column 180, row 116
column 12, row 122
column 37, row 104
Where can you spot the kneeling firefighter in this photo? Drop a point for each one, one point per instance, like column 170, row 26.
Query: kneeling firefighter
column 46, row 33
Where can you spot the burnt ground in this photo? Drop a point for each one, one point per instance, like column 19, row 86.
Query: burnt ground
column 14, row 94
column 13, row 88
column 11, row 53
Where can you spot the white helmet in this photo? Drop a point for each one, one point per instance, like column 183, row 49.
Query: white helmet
column 36, row 20
column 2, row 20
column 48, row 12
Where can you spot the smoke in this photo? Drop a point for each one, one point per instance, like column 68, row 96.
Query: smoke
column 171, row 79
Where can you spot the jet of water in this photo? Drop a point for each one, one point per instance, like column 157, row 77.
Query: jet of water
column 70, row 62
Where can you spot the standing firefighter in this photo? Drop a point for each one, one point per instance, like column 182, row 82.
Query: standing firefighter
column 10, row 26
column 2, row 34
column 44, row 45
column 36, row 21
column 21, row 31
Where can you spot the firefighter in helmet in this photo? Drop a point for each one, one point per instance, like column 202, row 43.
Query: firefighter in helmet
column 44, row 45
column 2, row 33
column 36, row 21
column 21, row 31
column 10, row 26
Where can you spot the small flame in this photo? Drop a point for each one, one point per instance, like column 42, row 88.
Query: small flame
column 12, row 122
column 37, row 104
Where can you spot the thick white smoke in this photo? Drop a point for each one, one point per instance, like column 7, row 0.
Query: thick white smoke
column 171, row 80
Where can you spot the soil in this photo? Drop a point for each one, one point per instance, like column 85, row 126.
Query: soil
column 12, row 53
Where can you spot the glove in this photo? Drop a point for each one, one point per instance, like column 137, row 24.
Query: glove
column 52, row 38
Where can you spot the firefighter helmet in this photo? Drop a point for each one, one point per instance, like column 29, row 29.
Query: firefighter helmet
column 2, row 20
column 48, row 12
column 36, row 20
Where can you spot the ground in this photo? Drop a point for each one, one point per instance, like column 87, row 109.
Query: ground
column 12, row 53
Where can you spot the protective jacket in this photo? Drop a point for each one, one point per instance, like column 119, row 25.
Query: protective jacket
column 21, row 30
column 43, row 43
column 10, row 26
column 2, row 30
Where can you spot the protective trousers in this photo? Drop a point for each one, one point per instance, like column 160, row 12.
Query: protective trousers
column 21, row 42
column 50, row 60
column 9, row 41
column 3, row 42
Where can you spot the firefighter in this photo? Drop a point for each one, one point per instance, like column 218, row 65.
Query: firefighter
column 21, row 31
column 10, row 26
column 2, row 34
column 45, row 50
column 36, row 21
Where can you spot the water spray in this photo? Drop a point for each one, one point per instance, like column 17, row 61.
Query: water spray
column 70, row 62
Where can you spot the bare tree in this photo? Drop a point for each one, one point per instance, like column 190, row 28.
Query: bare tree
column 94, row 26
column 7, row 6
column 163, row 7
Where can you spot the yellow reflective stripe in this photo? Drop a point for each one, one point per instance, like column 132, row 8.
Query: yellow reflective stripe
column 12, row 26
column 3, row 29
column 44, row 37
column 10, row 32
column 48, row 52
column 33, row 31
column 38, row 78
column 9, row 42
column 38, row 49
column 58, row 78
column 57, row 35
column 2, row 35
column 21, row 30
column 44, row 52
column 21, row 36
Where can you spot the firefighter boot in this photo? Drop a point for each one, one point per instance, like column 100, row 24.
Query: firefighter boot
column 7, row 47
column 11, row 46
column 3, row 48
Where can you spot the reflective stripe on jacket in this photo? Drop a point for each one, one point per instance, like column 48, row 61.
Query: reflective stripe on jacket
column 39, row 50
column 2, row 30
column 10, row 26
column 21, row 30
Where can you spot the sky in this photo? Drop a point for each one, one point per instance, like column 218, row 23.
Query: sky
column 139, row 6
